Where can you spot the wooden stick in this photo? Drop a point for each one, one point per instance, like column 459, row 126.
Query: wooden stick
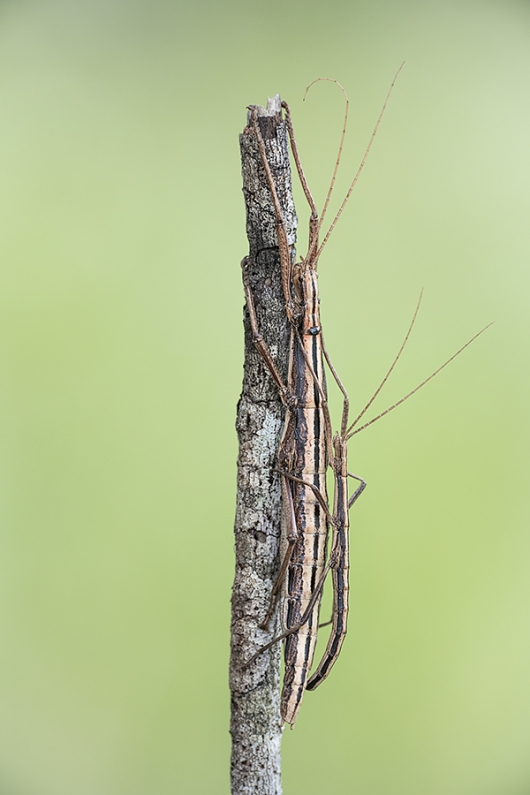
column 256, row 726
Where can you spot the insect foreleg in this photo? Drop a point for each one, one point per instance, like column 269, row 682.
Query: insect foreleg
column 313, row 221
column 281, row 234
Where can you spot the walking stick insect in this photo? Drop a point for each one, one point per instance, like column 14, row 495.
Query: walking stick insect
column 308, row 447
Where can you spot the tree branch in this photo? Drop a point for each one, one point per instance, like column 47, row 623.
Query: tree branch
column 256, row 725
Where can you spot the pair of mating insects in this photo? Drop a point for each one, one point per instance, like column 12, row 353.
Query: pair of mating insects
column 308, row 446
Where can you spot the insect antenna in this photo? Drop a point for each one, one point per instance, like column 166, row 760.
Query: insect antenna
column 385, row 379
column 403, row 399
column 363, row 161
column 339, row 155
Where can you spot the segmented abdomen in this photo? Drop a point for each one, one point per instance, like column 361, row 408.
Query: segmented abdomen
column 309, row 463
column 341, row 588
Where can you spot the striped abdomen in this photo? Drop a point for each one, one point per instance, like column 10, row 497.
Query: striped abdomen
column 308, row 462
column 340, row 571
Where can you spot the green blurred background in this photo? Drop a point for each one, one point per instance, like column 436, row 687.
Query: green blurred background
column 121, row 230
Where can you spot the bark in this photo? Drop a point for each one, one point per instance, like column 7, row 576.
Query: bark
column 256, row 726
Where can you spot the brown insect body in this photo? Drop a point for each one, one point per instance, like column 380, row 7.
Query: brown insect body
column 304, row 454
column 307, row 449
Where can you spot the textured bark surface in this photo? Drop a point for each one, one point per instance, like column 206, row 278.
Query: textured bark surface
column 256, row 726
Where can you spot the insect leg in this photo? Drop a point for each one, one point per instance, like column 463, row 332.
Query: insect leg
column 358, row 491
column 306, row 615
column 340, row 571
column 257, row 338
column 313, row 221
column 316, row 491
column 292, row 537
column 355, row 495
column 283, row 243
column 346, row 402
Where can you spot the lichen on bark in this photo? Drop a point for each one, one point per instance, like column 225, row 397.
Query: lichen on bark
column 256, row 725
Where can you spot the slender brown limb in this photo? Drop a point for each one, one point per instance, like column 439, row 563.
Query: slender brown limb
column 307, row 613
column 316, row 491
column 257, row 337
column 292, row 538
column 346, row 401
column 358, row 491
column 294, row 149
column 283, row 244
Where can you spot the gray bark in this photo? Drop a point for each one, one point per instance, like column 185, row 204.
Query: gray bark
column 256, row 726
